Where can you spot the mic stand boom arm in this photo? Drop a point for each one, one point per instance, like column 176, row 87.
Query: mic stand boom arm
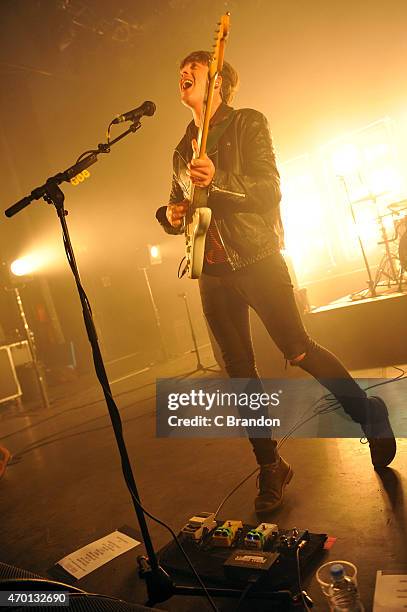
column 82, row 164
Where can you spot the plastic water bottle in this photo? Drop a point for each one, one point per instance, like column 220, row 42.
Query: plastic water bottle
column 343, row 592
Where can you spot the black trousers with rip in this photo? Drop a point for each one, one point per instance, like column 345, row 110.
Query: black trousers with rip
column 266, row 287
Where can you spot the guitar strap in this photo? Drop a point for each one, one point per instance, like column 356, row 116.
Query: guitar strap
column 216, row 132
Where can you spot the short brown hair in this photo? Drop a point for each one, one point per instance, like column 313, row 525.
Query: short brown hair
column 230, row 78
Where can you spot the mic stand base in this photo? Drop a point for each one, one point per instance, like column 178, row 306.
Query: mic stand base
column 159, row 585
column 199, row 366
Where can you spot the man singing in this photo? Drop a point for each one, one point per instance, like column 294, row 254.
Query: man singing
column 244, row 267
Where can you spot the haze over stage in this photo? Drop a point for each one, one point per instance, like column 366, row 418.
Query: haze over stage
column 330, row 78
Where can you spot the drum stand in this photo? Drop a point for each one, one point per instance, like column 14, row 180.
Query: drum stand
column 388, row 268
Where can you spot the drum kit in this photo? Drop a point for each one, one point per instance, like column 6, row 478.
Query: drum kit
column 398, row 210
column 394, row 261
column 393, row 265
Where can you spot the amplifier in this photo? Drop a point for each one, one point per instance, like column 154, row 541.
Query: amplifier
column 20, row 353
column 9, row 385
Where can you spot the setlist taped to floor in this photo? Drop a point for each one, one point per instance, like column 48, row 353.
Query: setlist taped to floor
column 94, row 555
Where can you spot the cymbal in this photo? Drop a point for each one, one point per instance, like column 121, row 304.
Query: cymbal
column 398, row 206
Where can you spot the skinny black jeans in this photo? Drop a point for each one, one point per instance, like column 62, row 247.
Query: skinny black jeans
column 266, row 287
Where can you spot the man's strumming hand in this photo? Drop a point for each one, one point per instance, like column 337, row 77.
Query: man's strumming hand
column 176, row 212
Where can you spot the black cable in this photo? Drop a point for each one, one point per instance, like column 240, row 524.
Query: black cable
column 154, row 518
column 178, row 543
column 56, row 197
column 51, row 438
column 136, row 500
column 71, row 591
column 102, row 148
column 241, row 483
column 86, row 153
column 114, row 412
column 297, row 554
column 86, row 405
column 55, row 437
column 108, row 131
column 330, row 404
column 49, row 418
column 325, row 409
column 391, row 380
column 251, row 582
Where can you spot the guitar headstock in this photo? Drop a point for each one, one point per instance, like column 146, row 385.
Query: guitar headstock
column 219, row 47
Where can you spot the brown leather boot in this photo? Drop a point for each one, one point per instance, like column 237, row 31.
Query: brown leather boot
column 272, row 480
column 379, row 433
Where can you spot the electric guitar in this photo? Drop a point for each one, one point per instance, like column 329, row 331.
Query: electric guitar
column 198, row 217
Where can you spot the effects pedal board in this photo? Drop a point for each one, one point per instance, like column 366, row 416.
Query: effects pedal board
column 232, row 553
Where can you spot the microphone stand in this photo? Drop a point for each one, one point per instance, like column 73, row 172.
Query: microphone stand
column 199, row 365
column 160, row 586
column 159, row 583
column 370, row 282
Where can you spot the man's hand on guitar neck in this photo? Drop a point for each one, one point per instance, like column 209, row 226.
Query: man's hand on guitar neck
column 200, row 171
column 176, row 212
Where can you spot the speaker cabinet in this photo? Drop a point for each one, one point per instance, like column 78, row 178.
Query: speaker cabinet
column 9, row 385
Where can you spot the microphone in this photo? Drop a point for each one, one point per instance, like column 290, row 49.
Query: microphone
column 147, row 108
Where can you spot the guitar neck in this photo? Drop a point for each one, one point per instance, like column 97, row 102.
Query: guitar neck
column 203, row 135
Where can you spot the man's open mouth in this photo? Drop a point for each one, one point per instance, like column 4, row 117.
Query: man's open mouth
column 186, row 84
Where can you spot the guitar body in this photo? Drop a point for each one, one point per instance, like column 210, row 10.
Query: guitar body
column 195, row 240
column 197, row 221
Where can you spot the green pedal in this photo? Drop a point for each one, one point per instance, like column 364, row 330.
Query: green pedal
column 259, row 537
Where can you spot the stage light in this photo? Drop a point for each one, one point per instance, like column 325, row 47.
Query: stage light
column 345, row 159
column 155, row 254
column 303, row 216
column 24, row 266
column 44, row 258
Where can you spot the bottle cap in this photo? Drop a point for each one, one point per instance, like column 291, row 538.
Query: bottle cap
column 337, row 571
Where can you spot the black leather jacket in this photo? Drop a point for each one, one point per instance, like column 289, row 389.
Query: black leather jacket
column 245, row 192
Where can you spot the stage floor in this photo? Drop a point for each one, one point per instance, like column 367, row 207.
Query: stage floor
column 65, row 488
column 358, row 299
